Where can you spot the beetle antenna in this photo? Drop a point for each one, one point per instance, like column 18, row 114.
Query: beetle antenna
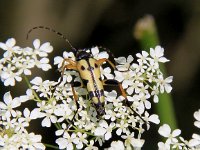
column 52, row 30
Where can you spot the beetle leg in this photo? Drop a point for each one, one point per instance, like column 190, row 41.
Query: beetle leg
column 75, row 84
column 101, row 61
column 112, row 82
column 70, row 61
column 70, row 66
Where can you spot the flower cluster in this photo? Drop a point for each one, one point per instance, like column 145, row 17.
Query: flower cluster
column 13, row 132
column 17, row 61
column 77, row 122
column 175, row 141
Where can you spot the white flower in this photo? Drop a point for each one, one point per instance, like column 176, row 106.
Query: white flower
column 49, row 118
column 142, row 57
column 64, row 111
column 117, row 145
column 42, row 86
column 128, row 139
column 98, row 55
column 157, row 54
column 22, row 140
column 195, row 140
column 165, row 131
column 80, row 140
column 9, row 47
column 122, row 127
column 32, row 141
column 91, row 146
column 137, row 143
column 134, row 87
column 107, row 73
column 152, row 118
column 163, row 146
column 67, row 140
column 58, row 60
column 197, row 117
column 43, row 49
column 140, row 67
column 9, row 75
column 104, row 129
column 164, row 84
column 125, row 77
column 9, row 104
column 124, row 63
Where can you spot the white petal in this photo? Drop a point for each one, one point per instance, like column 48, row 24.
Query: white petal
column 3, row 46
column 59, row 132
column 103, row 55
column 119, row 131
column 27, row 72
column 46, row 47
column 11, row 42
column 100, row 131
column 130, row 59
column 39, row 146
column 159, row 51
column 36, row 43
column 58, row 60
column 7, row 98
column 36, row 81
column 95, row 50
column 176, row 132
column 164, row 130
column 169, row 79
column 45, row 67
column 137, row 143
column 46, row 122
column 120, row 60
column 197, row 115
column 168, row 88
column 2, row 106
column 154, row 118
column 62, row 143
column 163, row 59
column 147, row 104
column 197, row 124
column 155, row 99
column 194, row 142
column 44, row 60
column 35, row 113
column 108, row 135
column 103, row 123
column 26, row 112
column 16, row 102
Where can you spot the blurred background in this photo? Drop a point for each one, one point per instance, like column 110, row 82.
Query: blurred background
column 110, row 23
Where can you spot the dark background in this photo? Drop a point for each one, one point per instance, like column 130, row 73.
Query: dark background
column 110, row 24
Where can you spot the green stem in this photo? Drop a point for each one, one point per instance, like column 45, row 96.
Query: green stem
column 57, row 125
column 51, row 146
column 145, row 31
column 29, row 85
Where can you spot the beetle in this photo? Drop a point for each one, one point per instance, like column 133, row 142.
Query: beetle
column 89, row 70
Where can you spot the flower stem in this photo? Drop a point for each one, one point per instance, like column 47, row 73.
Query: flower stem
column 51, row 146
column 29, row 85
column 145, row 32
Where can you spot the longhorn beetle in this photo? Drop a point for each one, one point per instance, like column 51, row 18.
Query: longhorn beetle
column 90, row 74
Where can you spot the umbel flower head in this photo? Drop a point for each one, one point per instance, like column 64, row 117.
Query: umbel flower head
column 77, row 122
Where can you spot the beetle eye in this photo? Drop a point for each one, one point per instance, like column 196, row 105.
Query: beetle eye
column 82, row 68
column 95, row 65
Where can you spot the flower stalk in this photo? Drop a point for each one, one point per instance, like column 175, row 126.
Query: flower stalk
column 145, row 32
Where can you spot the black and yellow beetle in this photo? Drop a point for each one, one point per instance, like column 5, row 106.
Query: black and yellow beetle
column 89, row 70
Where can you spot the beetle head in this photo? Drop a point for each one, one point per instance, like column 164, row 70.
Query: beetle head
column 82, row 54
